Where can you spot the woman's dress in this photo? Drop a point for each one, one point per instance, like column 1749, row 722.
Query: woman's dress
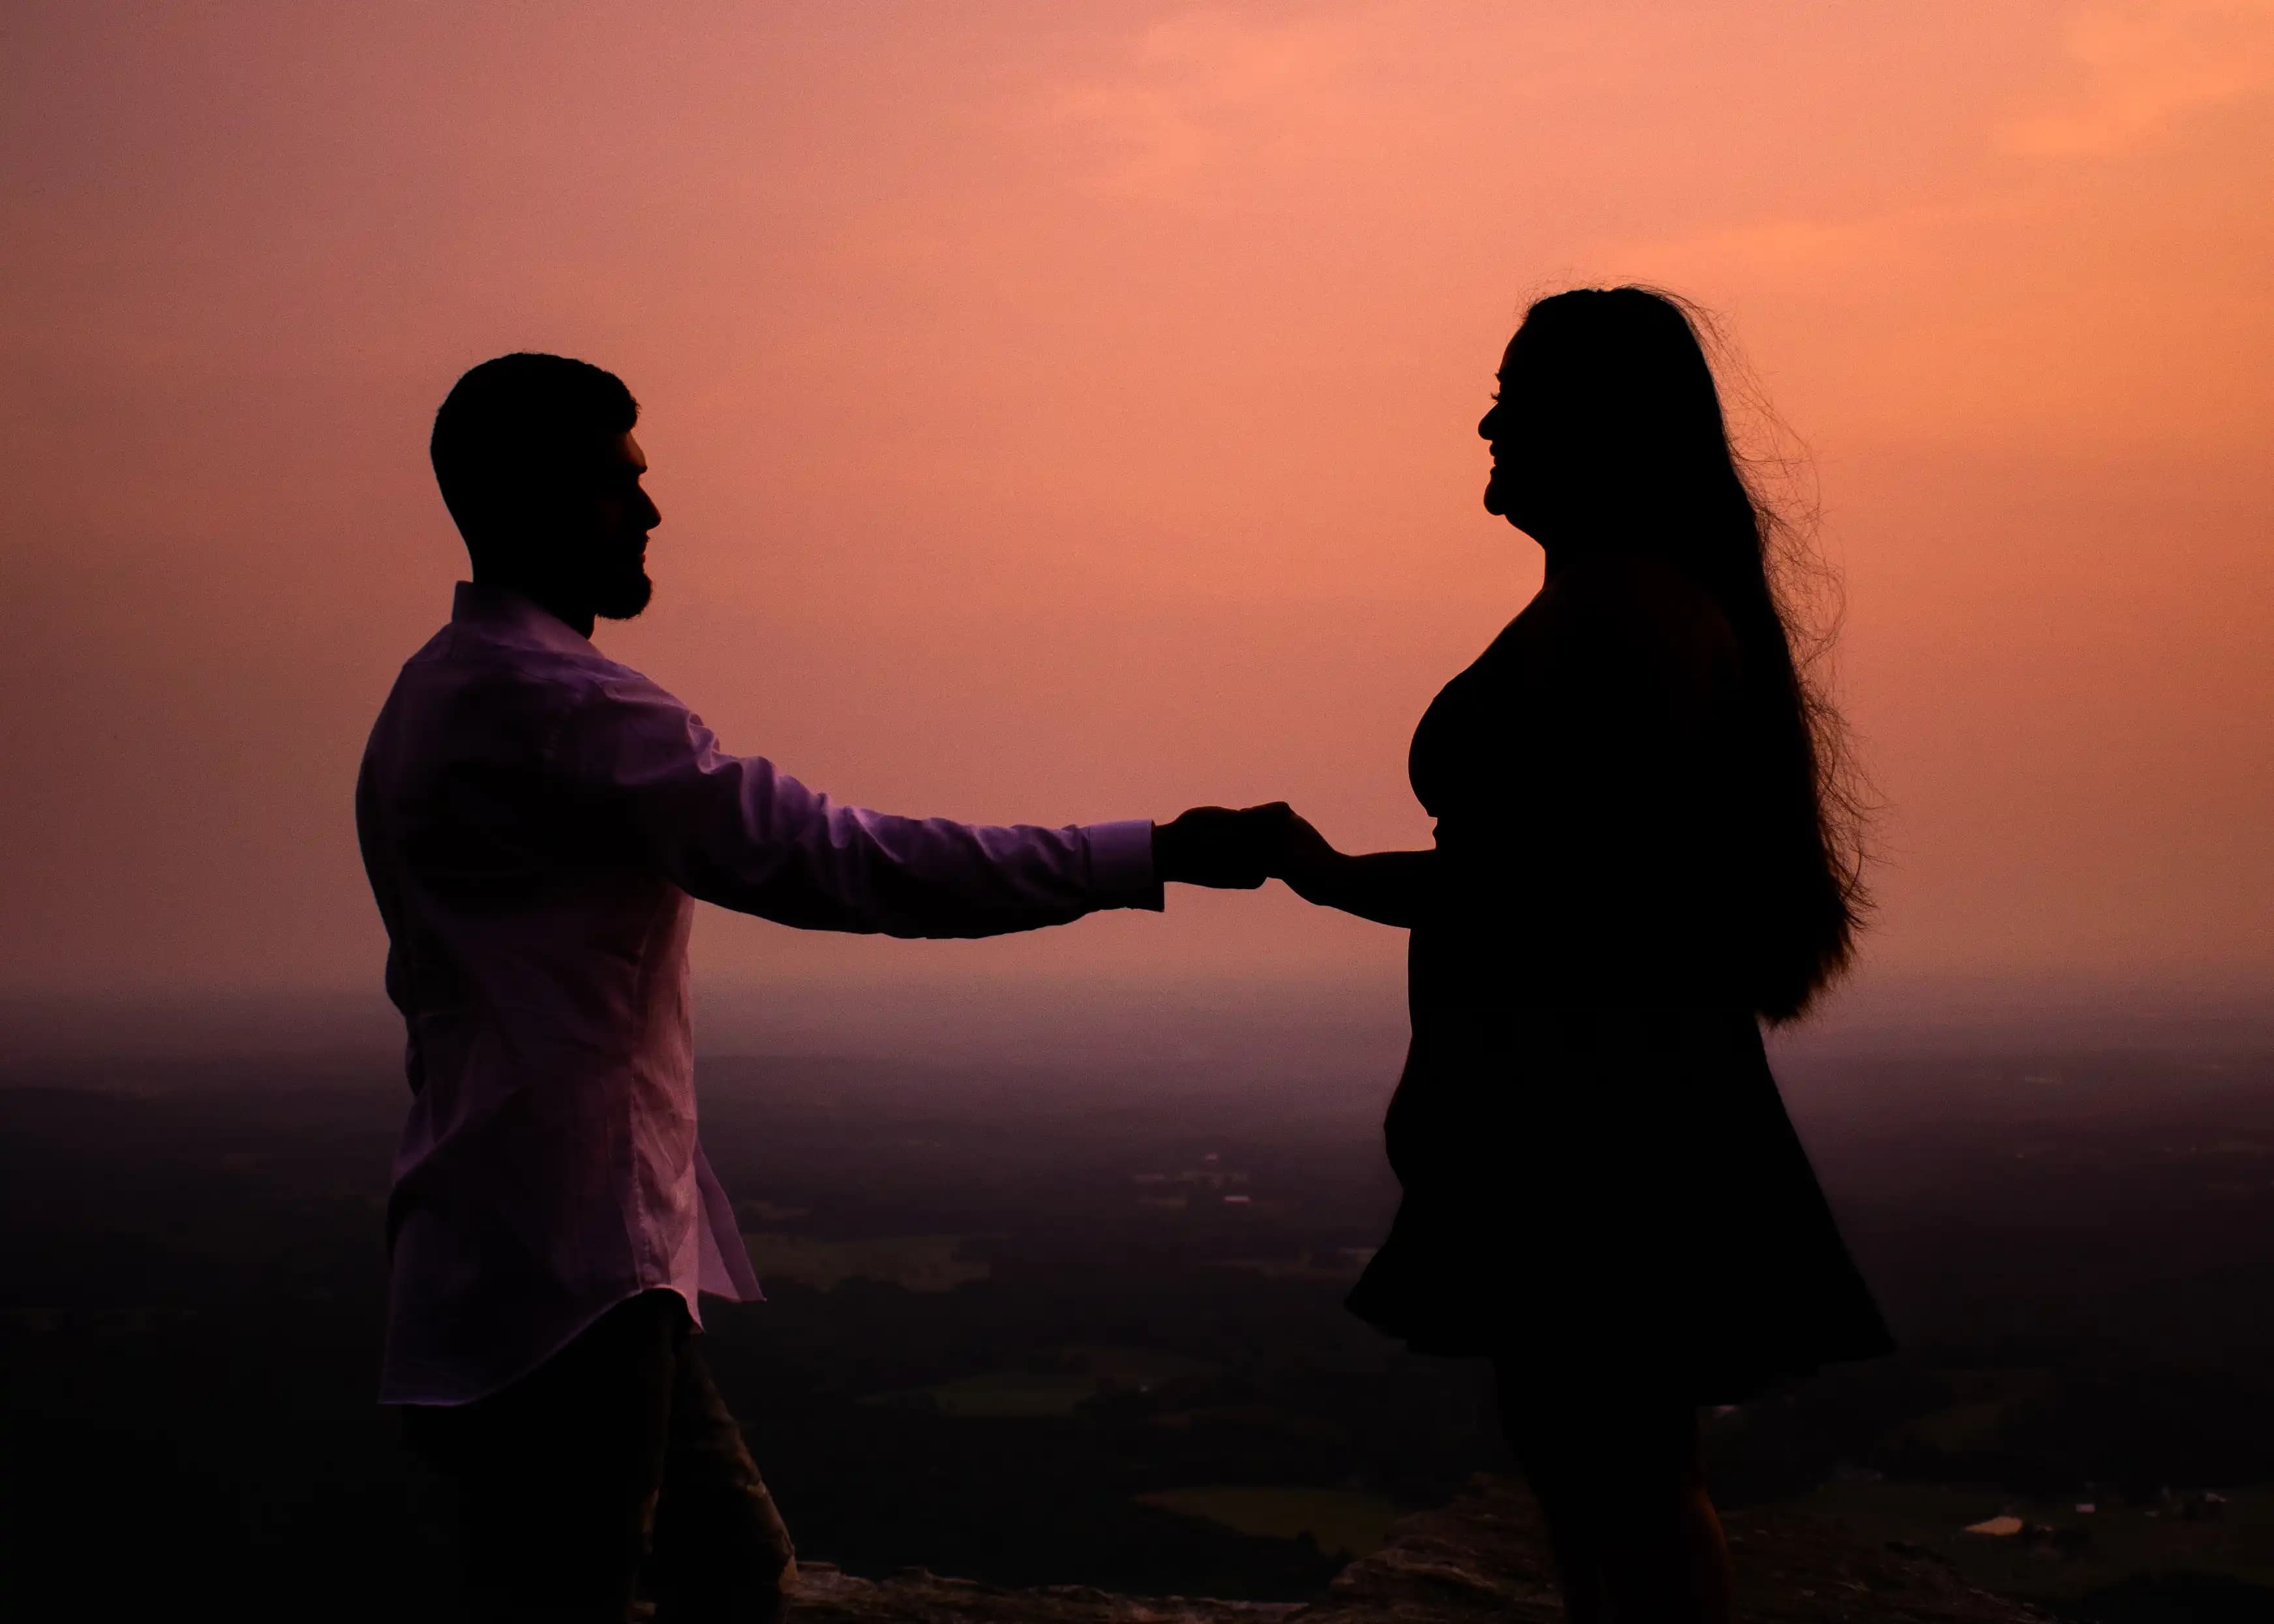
column 1600, row 1181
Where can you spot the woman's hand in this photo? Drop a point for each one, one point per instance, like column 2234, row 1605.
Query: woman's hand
column 1301, row 856
column 1389, row 888
column 1239, row 850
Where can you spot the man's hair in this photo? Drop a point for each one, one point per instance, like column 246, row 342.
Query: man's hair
column 511, row 427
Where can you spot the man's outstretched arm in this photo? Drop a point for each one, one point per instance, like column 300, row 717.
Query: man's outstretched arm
column 734, row 831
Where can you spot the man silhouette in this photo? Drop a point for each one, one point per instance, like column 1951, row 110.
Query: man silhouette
column 538, row 821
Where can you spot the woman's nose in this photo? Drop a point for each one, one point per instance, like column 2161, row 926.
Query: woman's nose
column 1485, row 423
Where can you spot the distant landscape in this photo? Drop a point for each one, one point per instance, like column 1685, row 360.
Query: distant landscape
column 1043, row 1320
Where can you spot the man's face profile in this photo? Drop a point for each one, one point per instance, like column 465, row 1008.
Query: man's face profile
column 604, row 525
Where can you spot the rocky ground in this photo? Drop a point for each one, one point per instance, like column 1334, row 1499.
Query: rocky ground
column 1482, row 1558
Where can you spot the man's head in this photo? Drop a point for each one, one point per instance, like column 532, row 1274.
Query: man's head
column 538, row 465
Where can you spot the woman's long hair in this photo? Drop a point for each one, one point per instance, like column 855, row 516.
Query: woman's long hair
column 1628, row 413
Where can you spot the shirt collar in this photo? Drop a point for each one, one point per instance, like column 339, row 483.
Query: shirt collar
column 500, row 610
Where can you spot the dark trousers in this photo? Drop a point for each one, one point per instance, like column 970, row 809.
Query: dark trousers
column 612, row 1469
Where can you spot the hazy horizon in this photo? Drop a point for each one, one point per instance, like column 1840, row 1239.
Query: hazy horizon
column 1347, row 1033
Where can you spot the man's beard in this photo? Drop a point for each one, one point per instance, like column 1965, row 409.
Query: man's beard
column 622, row 596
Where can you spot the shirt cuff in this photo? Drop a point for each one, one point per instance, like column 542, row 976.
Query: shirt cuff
column 1121, row 864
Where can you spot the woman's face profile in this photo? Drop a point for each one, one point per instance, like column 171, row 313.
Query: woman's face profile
column 1506, row 428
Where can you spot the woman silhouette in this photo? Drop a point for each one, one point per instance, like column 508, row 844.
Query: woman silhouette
column 1645, row 848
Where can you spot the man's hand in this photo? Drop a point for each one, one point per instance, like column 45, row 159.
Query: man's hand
column 1219, row 846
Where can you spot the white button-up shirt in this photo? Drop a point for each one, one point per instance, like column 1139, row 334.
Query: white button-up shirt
column 537, row 823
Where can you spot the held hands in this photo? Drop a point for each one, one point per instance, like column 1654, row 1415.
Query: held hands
column 1216, row 846
column 1238, row 850
column 1219, row 846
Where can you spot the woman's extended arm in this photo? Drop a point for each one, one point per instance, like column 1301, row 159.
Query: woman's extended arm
column 1389, row 888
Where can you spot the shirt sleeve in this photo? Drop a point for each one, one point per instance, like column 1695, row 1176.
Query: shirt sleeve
column 736, row 831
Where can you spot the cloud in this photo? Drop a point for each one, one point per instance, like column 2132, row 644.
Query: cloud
column 2136, row 67
column 1200, row 86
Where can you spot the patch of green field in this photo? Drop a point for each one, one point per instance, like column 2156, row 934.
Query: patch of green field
column 1342, row 1522
column 1135, row 1367
column 1972, row 1425
column 1982, row 1401
column 2113, row 1543
column 913, row 1262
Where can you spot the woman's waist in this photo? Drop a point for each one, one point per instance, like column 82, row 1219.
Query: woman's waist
column 1525, row 999
column 1538, row 964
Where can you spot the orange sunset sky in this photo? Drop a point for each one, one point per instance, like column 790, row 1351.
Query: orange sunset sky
column 1063, row 412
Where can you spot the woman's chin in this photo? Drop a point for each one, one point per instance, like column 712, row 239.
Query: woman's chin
column 1496, row 503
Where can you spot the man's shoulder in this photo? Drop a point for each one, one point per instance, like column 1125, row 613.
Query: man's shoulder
column 469, row 658
column 466, row 693
column 470, row 695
